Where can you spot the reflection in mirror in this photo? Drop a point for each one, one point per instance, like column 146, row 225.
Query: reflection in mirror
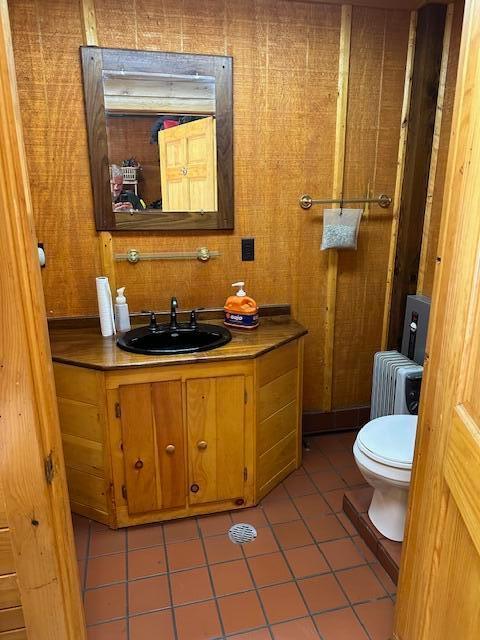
column 160, row 134
column 161, row 137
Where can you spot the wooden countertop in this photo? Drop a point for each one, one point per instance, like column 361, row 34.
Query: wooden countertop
column 85, row 346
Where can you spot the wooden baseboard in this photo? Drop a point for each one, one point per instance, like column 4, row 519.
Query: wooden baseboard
column 336, row 420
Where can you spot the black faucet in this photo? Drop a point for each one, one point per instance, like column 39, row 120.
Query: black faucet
column 173, row 314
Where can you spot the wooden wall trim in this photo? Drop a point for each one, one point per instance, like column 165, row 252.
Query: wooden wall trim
column 435, row 148
column 402, row 147
column 391, row 5
column 38, row 512
column 105, row 238
column 89, row 22
column 337, row 192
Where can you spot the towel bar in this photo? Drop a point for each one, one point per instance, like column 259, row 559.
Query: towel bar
column 383, row 200
column 133, row 256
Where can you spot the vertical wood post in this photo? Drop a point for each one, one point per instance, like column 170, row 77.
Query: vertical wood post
column 105, row 239
column 37, row 506
column 338, row 175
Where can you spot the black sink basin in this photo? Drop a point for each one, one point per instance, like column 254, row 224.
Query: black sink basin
column 160, row 339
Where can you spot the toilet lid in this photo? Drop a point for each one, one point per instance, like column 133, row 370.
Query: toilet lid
column 389, row 440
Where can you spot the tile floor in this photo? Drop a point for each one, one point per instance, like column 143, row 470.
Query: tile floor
column 308, row 575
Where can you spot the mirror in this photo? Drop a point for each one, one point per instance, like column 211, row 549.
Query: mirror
column 160, row 139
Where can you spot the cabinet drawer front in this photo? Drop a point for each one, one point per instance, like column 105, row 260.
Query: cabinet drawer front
column 216, row 439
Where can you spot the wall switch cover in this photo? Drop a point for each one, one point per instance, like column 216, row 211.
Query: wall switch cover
column 248, row 249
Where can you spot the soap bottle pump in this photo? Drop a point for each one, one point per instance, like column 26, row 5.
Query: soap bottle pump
column 241, row 311
column 122, row 316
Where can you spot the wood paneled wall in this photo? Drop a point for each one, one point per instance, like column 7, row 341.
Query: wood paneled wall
column 285, row 90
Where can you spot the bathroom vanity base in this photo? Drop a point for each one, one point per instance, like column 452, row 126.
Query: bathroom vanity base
column 146, row 444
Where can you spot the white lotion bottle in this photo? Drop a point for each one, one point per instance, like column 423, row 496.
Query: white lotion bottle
column 122, row 315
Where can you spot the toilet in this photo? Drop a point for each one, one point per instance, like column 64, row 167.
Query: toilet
column 383, row 451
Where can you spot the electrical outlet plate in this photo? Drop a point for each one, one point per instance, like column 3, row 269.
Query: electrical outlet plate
column 248, row 249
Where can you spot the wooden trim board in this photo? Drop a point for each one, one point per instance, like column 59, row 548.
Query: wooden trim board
column 337, row 192
column 402, row 147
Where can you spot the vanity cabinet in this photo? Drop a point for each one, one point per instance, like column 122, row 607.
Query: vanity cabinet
column 162, row 456
column 151, row 443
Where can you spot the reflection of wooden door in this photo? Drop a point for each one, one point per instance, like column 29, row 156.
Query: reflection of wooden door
column 188, row 166
column 152, row 436
column 439, row 596
column 216, row 438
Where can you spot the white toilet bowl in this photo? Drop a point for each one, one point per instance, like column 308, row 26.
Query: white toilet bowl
column 383, row 452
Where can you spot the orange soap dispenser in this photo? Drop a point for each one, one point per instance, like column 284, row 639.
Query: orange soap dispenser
column 241, row 311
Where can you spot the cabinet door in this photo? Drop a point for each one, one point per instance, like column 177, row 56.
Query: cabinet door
column 216, row 438
column 153, row 446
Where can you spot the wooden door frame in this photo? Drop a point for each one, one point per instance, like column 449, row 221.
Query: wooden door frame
column 32, row 472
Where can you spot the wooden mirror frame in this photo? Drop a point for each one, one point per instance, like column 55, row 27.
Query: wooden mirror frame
column 94, row 61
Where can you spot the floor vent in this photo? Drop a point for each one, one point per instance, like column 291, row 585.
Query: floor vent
column 242, row 533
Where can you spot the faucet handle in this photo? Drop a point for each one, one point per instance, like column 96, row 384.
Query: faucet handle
column 153, row 321
column 193, row 319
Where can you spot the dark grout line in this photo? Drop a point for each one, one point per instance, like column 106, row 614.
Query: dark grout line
column 170, row 593
column 282, row 551
column 85, row 570
column 212, row 586
column 267, row 622
column 127, row 590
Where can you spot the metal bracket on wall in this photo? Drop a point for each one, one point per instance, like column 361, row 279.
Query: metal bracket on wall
column 203, row 254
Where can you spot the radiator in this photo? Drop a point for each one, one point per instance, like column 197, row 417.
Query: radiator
column 389, row 368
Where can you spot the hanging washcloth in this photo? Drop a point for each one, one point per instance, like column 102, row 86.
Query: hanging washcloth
column 340, row 228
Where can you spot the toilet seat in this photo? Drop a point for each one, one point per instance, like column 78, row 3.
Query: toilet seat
column 389, row 440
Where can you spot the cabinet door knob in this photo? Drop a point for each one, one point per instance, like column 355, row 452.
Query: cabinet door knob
column 139, row 464
column 170, row 448
column 202, row 445
column 194, row 488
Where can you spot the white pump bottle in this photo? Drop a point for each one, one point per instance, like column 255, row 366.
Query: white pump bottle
column 122, row 316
